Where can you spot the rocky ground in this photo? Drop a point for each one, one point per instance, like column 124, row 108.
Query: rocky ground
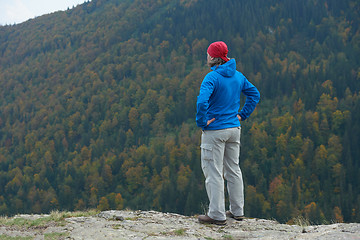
column 128, row 224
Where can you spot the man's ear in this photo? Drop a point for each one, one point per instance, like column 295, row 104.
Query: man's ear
column 211, row 58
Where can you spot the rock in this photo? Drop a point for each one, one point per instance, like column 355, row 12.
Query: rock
column 119, row 218
column 110, row 215
column 128, row 224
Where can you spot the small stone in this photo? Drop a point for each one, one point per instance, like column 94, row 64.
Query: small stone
column 119, row 218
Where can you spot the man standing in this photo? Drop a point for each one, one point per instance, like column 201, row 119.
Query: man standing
column 218, row 115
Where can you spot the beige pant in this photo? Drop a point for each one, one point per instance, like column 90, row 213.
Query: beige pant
column 220, row 151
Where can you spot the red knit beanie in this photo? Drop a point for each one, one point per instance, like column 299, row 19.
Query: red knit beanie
column 218, row 50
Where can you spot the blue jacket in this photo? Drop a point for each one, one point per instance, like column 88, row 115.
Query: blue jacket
column 219, row 97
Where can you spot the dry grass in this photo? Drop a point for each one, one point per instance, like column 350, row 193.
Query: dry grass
column 56, row 217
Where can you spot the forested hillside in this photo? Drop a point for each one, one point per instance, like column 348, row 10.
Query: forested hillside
column 97, row 106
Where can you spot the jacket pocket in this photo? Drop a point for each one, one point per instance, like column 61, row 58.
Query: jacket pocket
column 206, row 151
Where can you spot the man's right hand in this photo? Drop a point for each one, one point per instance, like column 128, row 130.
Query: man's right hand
column 210, row 121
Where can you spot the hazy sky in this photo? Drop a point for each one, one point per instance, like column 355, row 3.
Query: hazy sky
column 17, row 11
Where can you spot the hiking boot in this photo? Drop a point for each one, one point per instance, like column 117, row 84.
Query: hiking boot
column 207, row 219
column 230, row 215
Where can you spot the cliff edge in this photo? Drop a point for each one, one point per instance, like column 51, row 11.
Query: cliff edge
column 126, row 224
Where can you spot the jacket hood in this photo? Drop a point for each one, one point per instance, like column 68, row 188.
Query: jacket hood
column 228, row 69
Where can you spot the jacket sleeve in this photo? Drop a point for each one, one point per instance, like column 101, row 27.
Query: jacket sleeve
column 202, row 104
column 252, row 98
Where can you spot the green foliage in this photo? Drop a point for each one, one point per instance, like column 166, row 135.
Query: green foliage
column 5, row 237
column 229, row 237
column 55, row 236
column 180, row 232
column 97, row 106
column 41, row 221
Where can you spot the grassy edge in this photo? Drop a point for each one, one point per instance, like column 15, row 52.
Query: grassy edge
column 57, row 217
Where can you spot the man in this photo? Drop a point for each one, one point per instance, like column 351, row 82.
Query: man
column 218, row 115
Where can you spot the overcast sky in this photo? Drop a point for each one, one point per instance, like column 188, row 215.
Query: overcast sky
column 18, row 11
